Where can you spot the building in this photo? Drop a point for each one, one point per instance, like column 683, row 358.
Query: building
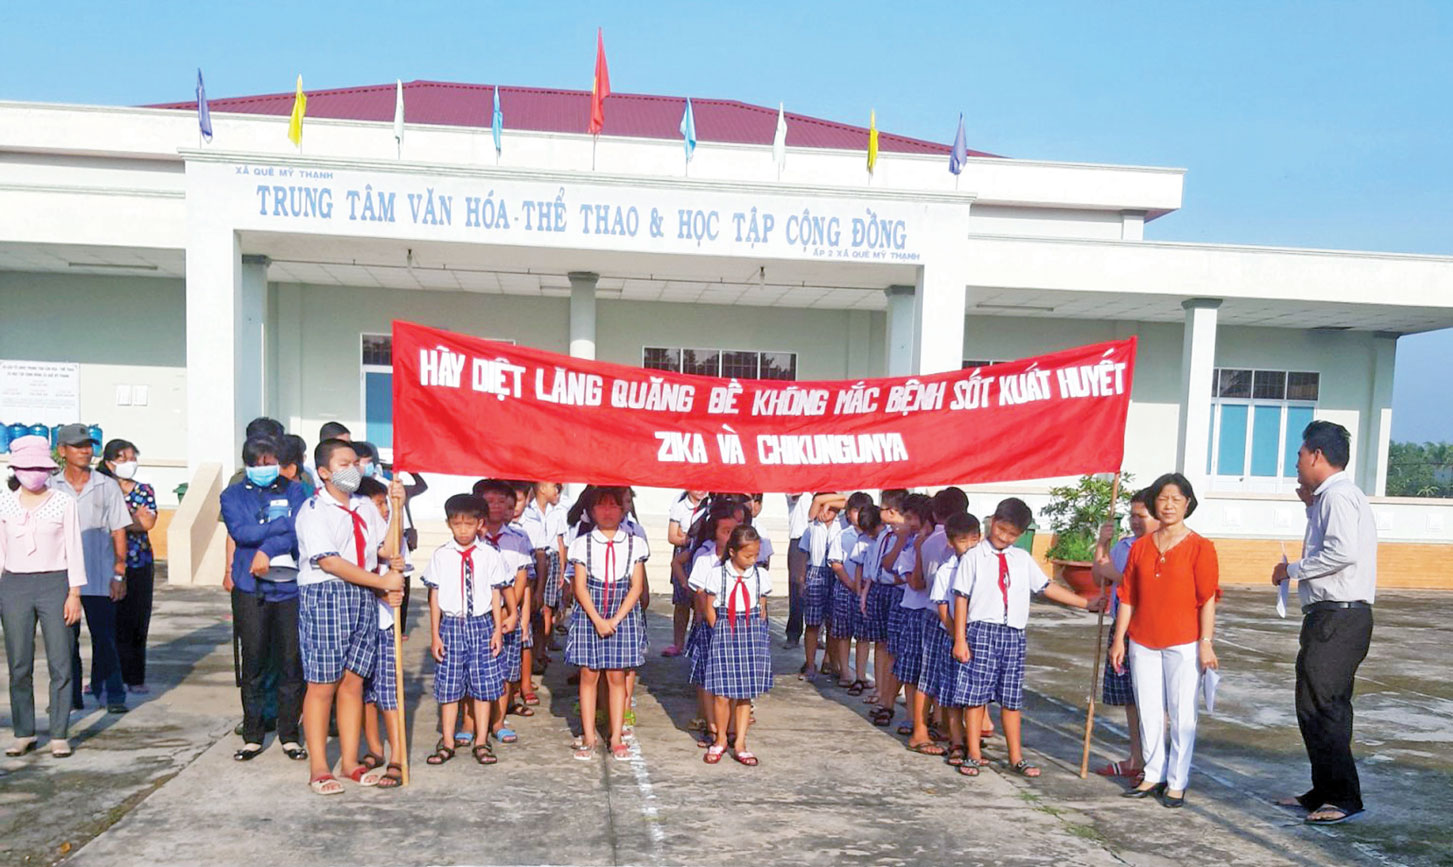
column 199, row 284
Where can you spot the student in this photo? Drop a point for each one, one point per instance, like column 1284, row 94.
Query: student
column 905, row 621
column 339, row 535
column 818, row 578
column 259, row 512
column 330, row 430
column 291, row 451
column 634, row 527
column 544, row 521
column 941, row 671
column 524, row 696
column 844, row 614
column 754, row 508
column 685, row 512
column 873, row 597
column 380, row 690
column 991, row 608
column 605, row 633
column 468, row 581
column 1109, row 568
column 704, row 553
column 519, row 555
column 904, row 525
column 931, row 551
column 739, row 661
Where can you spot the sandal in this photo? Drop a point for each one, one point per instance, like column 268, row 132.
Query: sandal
column 906, row 729
column 60, row 749
column 969, row 769
column 531, row 699
column 1024, row 769
column 697, row 725
column 881, row 717
column 1328, row 814
column 484, row 754
column 390, row 780
column 927, row 749
column 362, row 776
column 844, row 684
column 519, row 708
column 505, row 735
column 20, row 747
column 295, row 752
column 705, row 740
column 621, row 753
column 440, row 755
column 857, row 687
column 713, row 754
column 325, row 785
column 584, row 752
column 371, row 760
column 247, row 753
column 956, row 755
column 745, row 757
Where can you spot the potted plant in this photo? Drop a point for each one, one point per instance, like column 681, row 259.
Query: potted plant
column 1075, row 515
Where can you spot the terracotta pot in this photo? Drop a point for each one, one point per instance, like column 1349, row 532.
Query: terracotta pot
column 1078, row 576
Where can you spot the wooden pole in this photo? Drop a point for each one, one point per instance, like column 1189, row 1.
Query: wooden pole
column 396, row 542
column 1099, row 648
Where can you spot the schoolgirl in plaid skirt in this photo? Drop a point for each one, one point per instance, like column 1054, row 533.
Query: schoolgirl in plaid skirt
column 713, row 532
column 606, row 629
column 739, row 660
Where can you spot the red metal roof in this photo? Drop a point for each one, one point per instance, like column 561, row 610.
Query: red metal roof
column 626, row 114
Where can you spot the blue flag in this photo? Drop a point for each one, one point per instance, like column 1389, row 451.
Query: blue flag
column 497, row 122
column 688, row 130
column 204, row 115
column 960, row 151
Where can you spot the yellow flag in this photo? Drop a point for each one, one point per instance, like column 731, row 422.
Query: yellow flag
column 300, row 108
column 872, row 140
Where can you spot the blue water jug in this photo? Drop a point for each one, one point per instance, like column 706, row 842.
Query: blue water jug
column 55, row 436
column 40, row 430
column 4, row 439
column 95, row 432
column 17, row 430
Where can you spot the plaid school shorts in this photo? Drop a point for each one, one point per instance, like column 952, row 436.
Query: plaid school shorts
column 1117, row 689
column 996, row 670
column 816, row 589
column 381, row 689
column 908, row 657
column 509, row 656
column 551, row 596
column 873, row 621
column 845, row 613
column 739, row 661
column 337, row 626
column 468, row 669
column 935, row 675
column 698, row 646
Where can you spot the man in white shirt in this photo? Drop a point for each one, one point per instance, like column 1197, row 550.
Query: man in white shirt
column 1336, row 582
column 799, row 515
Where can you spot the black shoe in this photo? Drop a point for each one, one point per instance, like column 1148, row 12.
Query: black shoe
column 238, row 730
column 1173, row 803
column 1155, row 791
column 246, row 755
column 117, row 707
column 790, row 643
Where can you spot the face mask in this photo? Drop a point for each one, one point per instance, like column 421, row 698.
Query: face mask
column 262, row 476
column 347, row 479
column 126, row 470
column 33, row 480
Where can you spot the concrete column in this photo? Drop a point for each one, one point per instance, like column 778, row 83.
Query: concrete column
column 939, row 318
column 1377, row 425
column 582, row 313
column 252, row 339
column 214, row 327
column 1132, row 225
column 902, row 326
column 1198, row 360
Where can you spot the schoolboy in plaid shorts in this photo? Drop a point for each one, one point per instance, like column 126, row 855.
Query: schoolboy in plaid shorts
column 818, row 578
column 339, row 535
column 991, row 608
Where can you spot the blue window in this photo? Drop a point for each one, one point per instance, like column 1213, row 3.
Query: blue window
column 378, row 408
column 1257, row 417
column 1298, row 417
column 1265, row 439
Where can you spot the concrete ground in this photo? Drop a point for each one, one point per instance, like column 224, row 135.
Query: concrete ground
column 158, row 785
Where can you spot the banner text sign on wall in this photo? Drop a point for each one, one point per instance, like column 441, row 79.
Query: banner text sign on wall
column 468, row 406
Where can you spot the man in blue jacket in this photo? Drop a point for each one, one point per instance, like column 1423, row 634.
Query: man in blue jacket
column 258, row 511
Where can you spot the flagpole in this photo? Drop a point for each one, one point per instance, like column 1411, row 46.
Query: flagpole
column 594, row 140
column 396, row 542
column 1099, row 647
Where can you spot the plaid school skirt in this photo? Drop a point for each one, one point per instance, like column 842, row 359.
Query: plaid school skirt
column 381, row 689
column 845, row 613
column 996, row 671
column 640, row 615
column 468, row 669
column 622, row 650
column 905, row 642
column 337, row 626
column 936, row 671
column 739, row 661
column 816, row 589
column 698, row 645
column 551, row 596
column 873, row 623
column 1117, row 689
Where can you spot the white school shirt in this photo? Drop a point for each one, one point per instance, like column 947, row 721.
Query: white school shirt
column 444, row 575
column 940, row 587
column 797, row 515
column 702, row 562
column 325, row 529
column 624, row 541
column 765, row 554
column 515, row 546
column 914, row 600
column 978, row 581
column 842, row 544
column 869, row 555
column 818, row 540
column 541, row 527
column 721, row 578
column 685, row 513
column 632, row 526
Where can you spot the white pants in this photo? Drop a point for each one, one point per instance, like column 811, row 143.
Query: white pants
column 1166, row 683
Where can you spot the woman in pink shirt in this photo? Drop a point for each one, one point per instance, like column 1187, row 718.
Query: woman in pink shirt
column 42, row 572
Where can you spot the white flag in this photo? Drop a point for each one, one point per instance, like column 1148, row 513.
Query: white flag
column 399, row 114
column 779, row 141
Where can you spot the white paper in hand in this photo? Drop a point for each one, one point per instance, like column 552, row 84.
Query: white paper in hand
column 1281, row 599
column 1210, row 678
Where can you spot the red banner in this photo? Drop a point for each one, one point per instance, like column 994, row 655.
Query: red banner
column 468, row 406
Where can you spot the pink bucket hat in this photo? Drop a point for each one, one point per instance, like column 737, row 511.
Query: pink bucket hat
column 31, row 453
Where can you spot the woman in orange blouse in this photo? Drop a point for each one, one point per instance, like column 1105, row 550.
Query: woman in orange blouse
column 1168, row 611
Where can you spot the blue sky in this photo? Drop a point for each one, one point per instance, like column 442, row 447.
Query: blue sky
column 1311, row 124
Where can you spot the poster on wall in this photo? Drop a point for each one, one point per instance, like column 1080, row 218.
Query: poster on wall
column 40, row 392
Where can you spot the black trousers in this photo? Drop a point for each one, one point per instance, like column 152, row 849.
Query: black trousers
column 1333, row 643
column 133, row 622
column 796, row 574
column 268, row 632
